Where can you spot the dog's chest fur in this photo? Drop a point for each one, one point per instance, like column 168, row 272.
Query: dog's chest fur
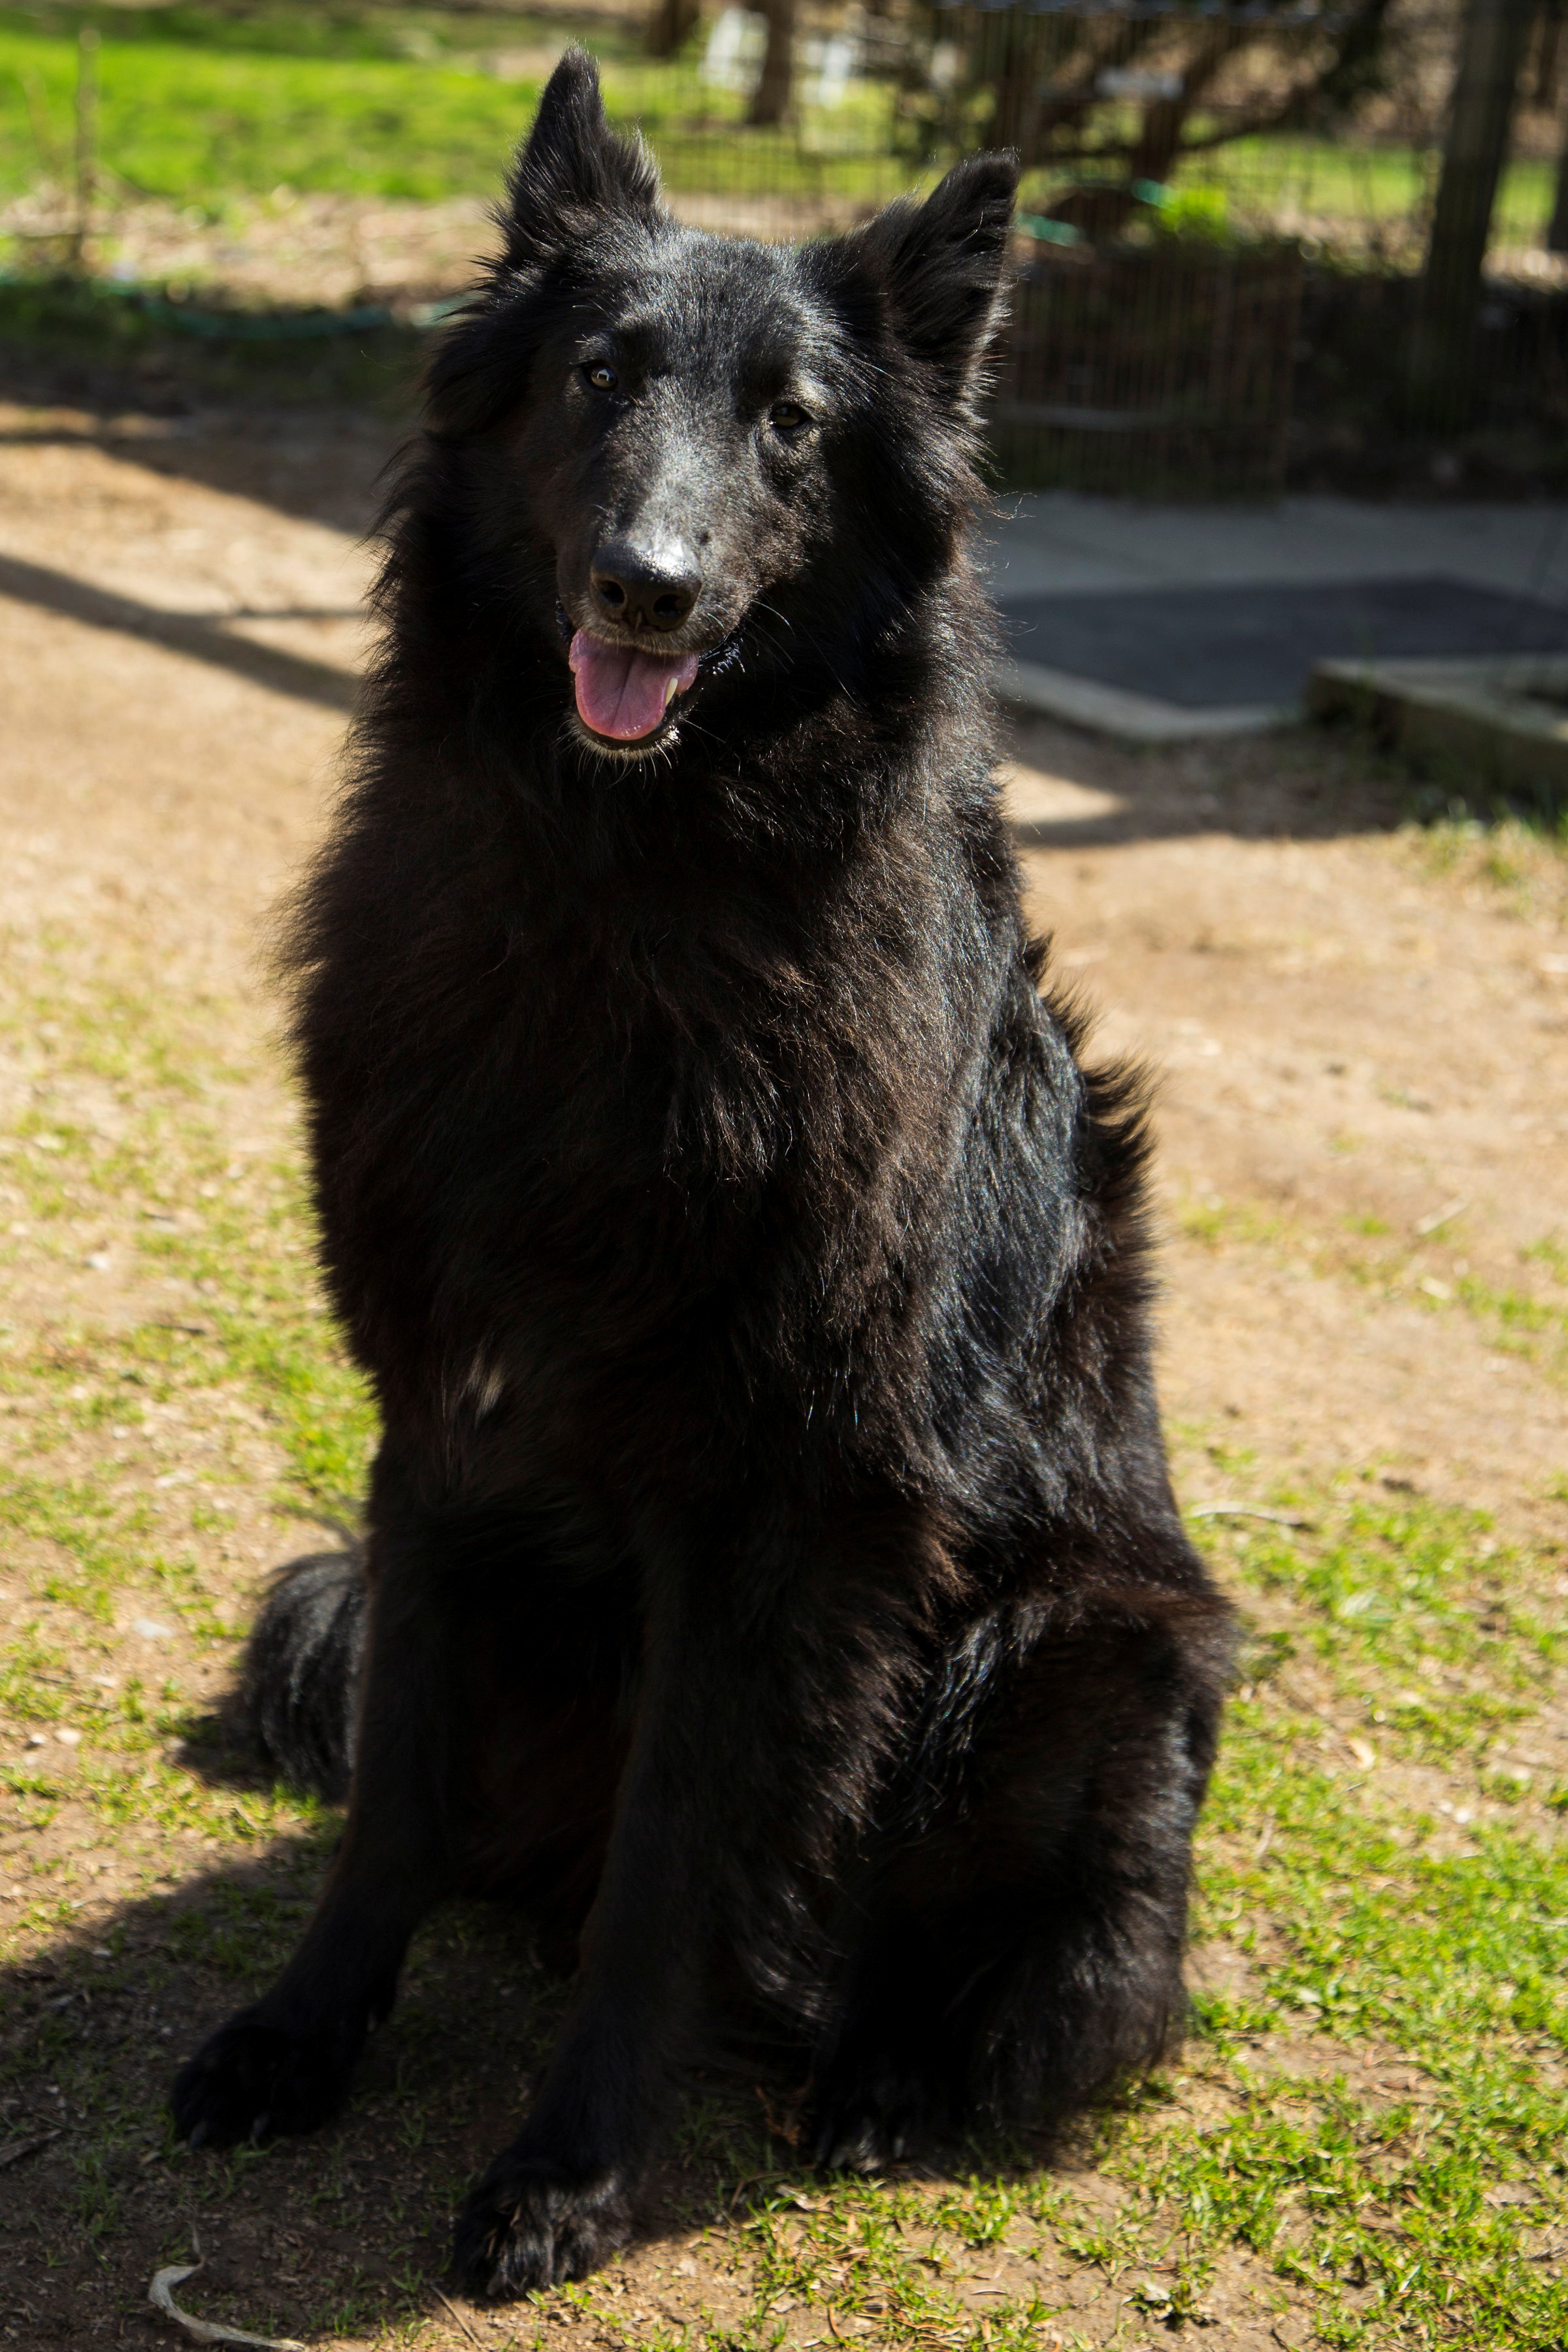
column 708, row 1114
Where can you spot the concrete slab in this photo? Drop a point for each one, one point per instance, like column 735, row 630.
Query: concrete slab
column 1135, row 717
column 1203, row 648
column 1159, row 623
column 1061, row 540
column 1505, row 722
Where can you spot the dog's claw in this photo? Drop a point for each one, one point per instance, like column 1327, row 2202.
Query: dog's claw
column 252, row 2079
column 527, row 2225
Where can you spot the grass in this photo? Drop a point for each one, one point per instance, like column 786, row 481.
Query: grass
column 96, row 1412
column 192, row 119
column 202, row 103
column 196, row 106
column 1514, row 862
column 1526, row 1317
column 1367, row 2129
column 1332, row 181
column 1516, row 867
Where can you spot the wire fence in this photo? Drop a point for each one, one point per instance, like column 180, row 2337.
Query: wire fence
column 1225, row 211
column 1226, row 215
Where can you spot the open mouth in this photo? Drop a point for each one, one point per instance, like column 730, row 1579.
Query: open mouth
column 623, row 693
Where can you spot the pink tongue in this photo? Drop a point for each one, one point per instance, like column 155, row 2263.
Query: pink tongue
column 621, row 692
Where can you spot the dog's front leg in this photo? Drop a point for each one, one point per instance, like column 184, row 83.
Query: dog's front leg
column 747, row 1717
column 284, row 2064
column 556, row 2203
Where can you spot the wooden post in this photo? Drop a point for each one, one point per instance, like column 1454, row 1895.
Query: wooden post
column 668, row 26
column 770, row 100
column 86, row 139
column 1557, row 227
column 1441, row 370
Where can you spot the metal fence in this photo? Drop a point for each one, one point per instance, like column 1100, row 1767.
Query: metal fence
column 1167, row 370
column 1157, row 342
column 1225, row 212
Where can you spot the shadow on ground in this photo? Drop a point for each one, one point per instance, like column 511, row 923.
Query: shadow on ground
column 1066, row 790
column 326, row 463
column 200, row 635
column 345, row 2233
column 339, row 2234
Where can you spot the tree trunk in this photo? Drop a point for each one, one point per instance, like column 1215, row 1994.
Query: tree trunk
column 667, row 27
column 1557, row 229
column 1441, row 378
column 1159, row 145
column 1101, row 210
column 1544, row 90
column 770, row 100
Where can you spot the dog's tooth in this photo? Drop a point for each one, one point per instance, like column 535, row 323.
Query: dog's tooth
column 671, row 688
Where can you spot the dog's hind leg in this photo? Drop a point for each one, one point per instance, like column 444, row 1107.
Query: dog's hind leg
column 1021, row 1951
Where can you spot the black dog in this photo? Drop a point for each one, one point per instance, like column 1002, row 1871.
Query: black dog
column 772, row 1571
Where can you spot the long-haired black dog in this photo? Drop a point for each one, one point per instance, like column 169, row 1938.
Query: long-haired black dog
column 773, row 1577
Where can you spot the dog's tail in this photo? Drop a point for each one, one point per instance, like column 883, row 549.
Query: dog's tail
column 301, row 1679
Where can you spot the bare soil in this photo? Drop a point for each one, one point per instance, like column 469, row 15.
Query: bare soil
column 1359, row 1034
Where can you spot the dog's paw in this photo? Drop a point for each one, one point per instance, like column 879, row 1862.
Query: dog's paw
column 255, row 2080
column 865, row 2121
column 529, row 2224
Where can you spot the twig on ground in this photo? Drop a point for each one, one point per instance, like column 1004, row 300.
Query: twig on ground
column 457, row 2316
column 1429, row 1225
column 160, row 2294
column 1248, row 1511
column 17, row 2149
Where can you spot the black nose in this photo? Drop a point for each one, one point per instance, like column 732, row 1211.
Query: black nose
column 644, row 590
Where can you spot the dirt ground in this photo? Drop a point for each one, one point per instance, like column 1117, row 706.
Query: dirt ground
column 1359, row 1030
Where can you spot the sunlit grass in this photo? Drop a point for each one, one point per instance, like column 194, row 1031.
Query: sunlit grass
column 195, row 118
column 1527, row 1317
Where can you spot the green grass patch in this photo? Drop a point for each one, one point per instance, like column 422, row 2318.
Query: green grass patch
column 1339, row 181
column 130, row 1448
column 1379, row 2202
column 195, row 121
column 1527, row 1317
column 197, row 107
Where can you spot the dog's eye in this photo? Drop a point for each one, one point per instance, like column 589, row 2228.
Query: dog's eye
column 787, row 416
column 601, row 378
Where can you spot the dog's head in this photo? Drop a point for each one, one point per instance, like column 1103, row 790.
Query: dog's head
column 710, row 457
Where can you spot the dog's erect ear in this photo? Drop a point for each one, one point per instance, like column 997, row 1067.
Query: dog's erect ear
column 572, row 168
column 939, row 265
